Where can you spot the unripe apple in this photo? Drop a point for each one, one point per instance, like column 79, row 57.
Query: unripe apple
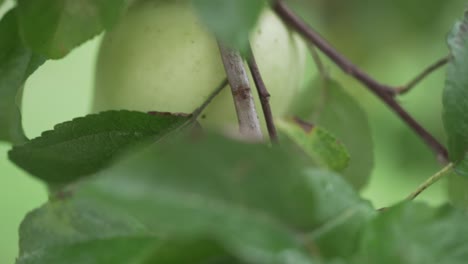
column 160, row 57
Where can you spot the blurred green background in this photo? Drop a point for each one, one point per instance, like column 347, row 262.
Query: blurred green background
column 392, row 40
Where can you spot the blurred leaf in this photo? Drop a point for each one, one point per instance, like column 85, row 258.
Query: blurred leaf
column 54, row 27
column 254, row 199
column 325, row 103
column 340, row 236
column 16, row 64
column 414, row 233
column 458, row 191
column 455, row 98
column 85, row 145
column 71, row 232
column 316, row 142
column 231, row 21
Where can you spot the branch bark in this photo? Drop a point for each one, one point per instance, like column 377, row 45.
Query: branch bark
column 249, row 125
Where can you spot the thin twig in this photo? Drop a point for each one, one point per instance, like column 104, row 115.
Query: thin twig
column 385, row 93
column 430, row 69
column 210, row 98
column 249, row 125
column 433, row 179
column 264, row 96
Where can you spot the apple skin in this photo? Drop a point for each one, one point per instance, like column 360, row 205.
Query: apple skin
column 161, row 58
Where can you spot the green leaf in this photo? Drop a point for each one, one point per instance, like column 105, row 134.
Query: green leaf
column 253, row 199
column 414, row 233
column 16, row 64
column 54, row 27
column 340, row 235
column 316, row 142
column 455, row 97
column 458, row 190
column 85, row 145
column 231, row 21
column 73, row 232
column 325, row 103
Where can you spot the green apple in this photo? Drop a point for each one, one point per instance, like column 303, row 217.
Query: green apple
column 161, row 58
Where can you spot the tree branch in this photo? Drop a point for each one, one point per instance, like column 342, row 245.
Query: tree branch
column 385, row 93
column 264, row 96
column 249, row 125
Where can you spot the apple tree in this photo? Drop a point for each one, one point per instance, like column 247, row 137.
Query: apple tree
column 217, row 135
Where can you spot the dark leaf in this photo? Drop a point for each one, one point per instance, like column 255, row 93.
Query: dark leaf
column 16, row 64
column 85, row 145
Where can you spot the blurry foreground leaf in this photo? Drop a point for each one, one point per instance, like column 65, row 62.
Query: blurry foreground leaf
column 231, row 21
column 256, row 201
column 70, row 232
column 414, row 233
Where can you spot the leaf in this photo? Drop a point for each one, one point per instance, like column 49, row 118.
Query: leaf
column 458, row 190
column 317, row 143
column 455, row 97
column 70, row 232
column 231, row 21
column 339, row 236
column 16, row 64
column 414, row 233
column 54, row 27
column 255, row 200
column 325, row 103
column 85, row 145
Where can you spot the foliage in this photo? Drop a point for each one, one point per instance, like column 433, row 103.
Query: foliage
column 134, row 187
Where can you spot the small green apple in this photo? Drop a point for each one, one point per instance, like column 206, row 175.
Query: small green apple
column 161, row 58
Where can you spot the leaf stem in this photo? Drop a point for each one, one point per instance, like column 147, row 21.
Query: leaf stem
column 249, row 125
column 384, row 92
column 430, row 69
column 433, row 179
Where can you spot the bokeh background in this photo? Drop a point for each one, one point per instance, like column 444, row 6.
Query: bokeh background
column 392, row 40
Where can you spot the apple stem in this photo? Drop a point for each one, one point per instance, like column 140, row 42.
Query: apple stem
column 249, row 125
column 384, row 92
column 264, row 96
